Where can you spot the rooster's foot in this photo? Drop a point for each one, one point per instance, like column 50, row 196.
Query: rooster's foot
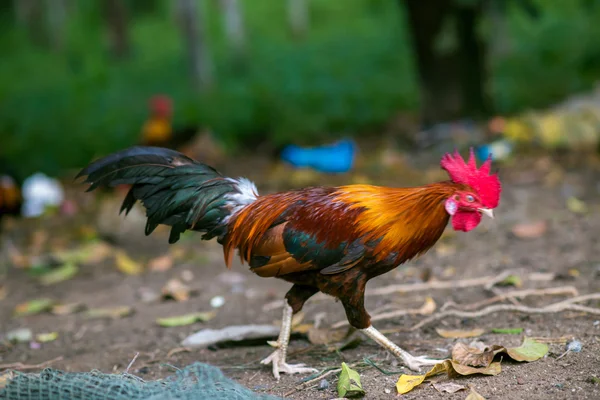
column 277, row 358
column 416, row 363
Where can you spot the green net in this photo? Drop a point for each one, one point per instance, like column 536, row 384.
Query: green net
column 197, row 381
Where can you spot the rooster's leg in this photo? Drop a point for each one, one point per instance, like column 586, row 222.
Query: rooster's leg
column 412, row 362
column 360, row 319
column 296, row 297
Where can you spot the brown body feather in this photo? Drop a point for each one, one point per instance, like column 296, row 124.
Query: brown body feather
column 378, row 228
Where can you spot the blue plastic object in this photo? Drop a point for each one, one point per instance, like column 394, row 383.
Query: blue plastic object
column 334, row 158
column 499, row 150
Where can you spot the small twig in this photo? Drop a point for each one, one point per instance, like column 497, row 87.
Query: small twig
column 565, row 305
column 487, row 281
column 21, row 366
column 563, row 290
column 306, row 384
column 177, row 350
column 131, row 363
column 454, row 284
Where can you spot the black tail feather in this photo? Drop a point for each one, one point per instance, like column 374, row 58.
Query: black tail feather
column 174, row 189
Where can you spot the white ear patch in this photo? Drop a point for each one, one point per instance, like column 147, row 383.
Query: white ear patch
column 451, row 206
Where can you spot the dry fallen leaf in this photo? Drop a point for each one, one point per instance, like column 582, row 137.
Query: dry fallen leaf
column 327, row 336
column 457, row 369
column 46, row 337
column 127, row 265
column 530, row 230
column 445, row 249
column 459, row 333
column 428, row 307
column 448, row 387
column 114, row 313
column 471, row 356
column 576, row 206
column 473, row 395
column 161, row 264
column 302, row 328
column 5, row 378
column 406, row 383
column 177, row 290
column 453, row 369
column 66, row 309
column 187, row 319
column 33, row 307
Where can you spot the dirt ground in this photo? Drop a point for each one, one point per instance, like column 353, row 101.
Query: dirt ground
column 533, row 191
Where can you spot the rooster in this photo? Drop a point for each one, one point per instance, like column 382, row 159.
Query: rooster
column 320, row 239
column 158, row 130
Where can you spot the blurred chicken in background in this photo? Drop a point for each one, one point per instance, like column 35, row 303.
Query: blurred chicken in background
column 11, row 198
column 193, row 140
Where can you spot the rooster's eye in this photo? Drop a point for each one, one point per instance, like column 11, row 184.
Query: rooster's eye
column 470, row 198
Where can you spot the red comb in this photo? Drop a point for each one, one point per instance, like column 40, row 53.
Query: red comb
column 161, row 105
column 487, row 186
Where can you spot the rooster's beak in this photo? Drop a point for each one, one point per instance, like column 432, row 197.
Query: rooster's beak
column 487, row 211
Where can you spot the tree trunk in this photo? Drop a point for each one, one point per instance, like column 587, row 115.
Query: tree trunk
column 191, row 27
column 452, row 79
column 116, row 18
column 30, row 15
column 57, row 18
column 233, row 24
column 298, row 17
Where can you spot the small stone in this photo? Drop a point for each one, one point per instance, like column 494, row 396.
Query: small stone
column 575, row 346
column 217, row 301
column 387, row 391
column 19, row 335
column 520, row 381
column 323, row 384
column 187, row 275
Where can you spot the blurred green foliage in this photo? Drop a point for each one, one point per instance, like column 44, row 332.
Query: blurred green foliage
column 353, row 71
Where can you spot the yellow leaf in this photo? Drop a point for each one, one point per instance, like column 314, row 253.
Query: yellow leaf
column 473, row 395
column 406, row 383
column 114, row 313
column 126, row 265
column 46, row 337
column 187, row 319
column 428, row 307
column 302, row 328
column 576, row 206
column 459, row 333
